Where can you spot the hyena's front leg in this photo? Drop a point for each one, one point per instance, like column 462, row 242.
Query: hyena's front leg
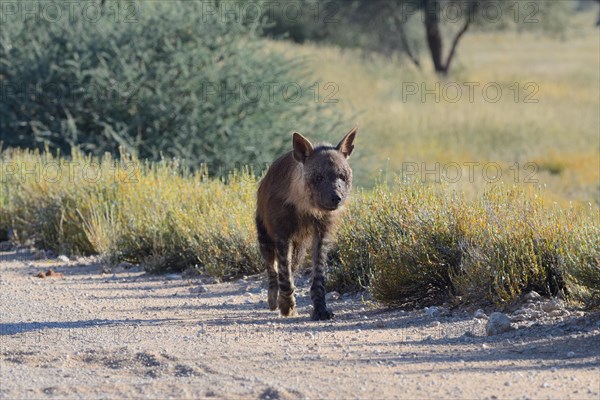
column 267, row 250
column 286, row 300
column 317, row 289
column 273, row 286
column 271, row 266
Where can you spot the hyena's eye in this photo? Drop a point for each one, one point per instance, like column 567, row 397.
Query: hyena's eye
column 318, row 179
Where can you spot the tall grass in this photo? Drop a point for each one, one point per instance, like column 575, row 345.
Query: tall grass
column 157, row 214
column 419, row 244
column 406, row 243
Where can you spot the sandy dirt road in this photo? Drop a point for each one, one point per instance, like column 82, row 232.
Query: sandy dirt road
column 129, row 335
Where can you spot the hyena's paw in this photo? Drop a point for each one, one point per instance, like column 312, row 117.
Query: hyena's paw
column 287, row 305
column 321, row 313
column 291, row 312
column 272, row 297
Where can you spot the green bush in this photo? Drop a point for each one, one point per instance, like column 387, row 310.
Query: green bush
column 401, row 244
column 157, row 214
column 584, row 261
column 44, row 198
column 419, row 245
column 163, row 79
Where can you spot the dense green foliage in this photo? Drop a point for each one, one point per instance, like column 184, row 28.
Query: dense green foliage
column 160, row 79
column 409, row 243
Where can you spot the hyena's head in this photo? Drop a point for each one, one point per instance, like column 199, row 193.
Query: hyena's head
column 325, row 170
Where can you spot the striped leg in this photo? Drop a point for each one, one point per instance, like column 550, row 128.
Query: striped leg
column 286, row 300
column 317, row 289
column 267, row 250
column 273, row 292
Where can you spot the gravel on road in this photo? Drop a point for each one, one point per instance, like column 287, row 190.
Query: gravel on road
column 83, row 331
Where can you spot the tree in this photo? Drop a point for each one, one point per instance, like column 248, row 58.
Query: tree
column 431, row 10
column 388, row 20
column 406, row 26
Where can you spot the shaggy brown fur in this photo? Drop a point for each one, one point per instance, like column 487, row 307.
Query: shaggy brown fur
column 299, row 201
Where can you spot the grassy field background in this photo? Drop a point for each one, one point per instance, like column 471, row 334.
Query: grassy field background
column 558, row 133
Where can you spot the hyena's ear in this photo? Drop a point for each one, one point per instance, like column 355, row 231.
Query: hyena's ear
column 346, row 145
column 302, row 147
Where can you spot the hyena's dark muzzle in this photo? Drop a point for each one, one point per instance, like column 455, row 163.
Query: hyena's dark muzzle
column 331, row 195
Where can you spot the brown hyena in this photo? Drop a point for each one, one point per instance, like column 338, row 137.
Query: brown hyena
column 299, row 200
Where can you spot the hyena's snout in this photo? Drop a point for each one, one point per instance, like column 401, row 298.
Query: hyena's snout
column 331, row 201
column 334, row 197
column 335, row 200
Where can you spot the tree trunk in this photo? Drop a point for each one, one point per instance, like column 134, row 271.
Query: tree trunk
column 431, row 9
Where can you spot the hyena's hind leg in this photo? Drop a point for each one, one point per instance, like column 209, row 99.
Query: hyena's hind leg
column 267, row 250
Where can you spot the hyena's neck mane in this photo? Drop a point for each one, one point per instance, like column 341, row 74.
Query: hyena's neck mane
column 298, row 194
